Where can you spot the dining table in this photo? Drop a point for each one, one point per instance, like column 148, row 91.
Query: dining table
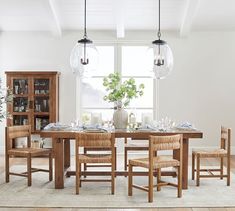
column 61, row 151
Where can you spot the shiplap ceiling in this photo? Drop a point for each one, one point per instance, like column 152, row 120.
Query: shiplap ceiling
column 57, row 16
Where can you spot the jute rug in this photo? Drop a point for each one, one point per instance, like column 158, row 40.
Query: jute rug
column 211, row 193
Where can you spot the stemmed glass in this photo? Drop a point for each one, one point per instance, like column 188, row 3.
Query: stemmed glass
column 165, row 124
column 75, row 124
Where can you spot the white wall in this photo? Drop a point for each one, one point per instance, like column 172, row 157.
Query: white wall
column 200, row 88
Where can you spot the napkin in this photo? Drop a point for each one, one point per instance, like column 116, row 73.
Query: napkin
column 185, row 126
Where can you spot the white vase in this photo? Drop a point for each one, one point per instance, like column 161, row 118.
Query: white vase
column 120, row 118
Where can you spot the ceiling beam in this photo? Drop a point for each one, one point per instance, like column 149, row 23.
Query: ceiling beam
column 189, row 14
column 54, row 11
column 119, row 13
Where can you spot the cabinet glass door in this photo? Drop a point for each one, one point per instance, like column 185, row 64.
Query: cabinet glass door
column 41, row 86
column 41, row 103
column 20, row 109
column 20, row 86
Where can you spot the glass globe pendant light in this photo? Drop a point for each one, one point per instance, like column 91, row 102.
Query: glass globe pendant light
column 163, row 57
column 84, row 55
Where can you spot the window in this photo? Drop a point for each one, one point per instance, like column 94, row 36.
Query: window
column 136, row 63
column 130, row 61
column 93, row 90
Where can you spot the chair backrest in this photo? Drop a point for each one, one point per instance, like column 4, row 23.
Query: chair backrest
column 172, row 142
column 97, row 140
column 13, row 132
column 226, row 139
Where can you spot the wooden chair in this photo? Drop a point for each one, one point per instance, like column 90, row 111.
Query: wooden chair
column 133, row 147
column 13, row 132
column 222, row 153
column 155, row 163
column 95, row 140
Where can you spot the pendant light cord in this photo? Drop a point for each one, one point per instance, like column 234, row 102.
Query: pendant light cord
column 85, row 60
column 159, row 26
column 85, row 34
column 159, row 22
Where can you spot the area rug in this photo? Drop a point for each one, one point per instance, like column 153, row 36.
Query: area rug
column 211, row 193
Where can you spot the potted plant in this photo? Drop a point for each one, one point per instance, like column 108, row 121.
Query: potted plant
column 6, row 96
column 121, row 94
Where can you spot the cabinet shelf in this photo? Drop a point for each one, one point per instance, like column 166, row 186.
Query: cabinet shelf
column 41, row 113
column 20, row 113
column 41, row 95
column 21, row 95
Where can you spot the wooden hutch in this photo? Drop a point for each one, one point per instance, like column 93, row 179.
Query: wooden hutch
column 36, row 98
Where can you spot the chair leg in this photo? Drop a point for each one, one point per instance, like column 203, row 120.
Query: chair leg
column 155, row 153
column 113, row 175
column 115, row 154
column 179, row 182
column 77, row 176
column 228, row 171
column 198, row 171
column 7, row 166
column 50, row 167
column 29, row 170
column 150, row 188
column 221, row 167
column 125, row 159
column 130, row 179
column 84, row 165
column 158, row 179
column 80, row 167
column 193, row 166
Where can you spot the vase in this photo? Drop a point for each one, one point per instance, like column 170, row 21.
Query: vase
column 120, row 118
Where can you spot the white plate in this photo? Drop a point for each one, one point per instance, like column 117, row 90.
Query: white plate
column 93, row 130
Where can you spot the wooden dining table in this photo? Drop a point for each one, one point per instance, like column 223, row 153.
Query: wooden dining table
column 61, row 150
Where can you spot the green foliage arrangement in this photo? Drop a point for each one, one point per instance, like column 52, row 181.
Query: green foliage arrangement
column 6, row 96
column 121, row 92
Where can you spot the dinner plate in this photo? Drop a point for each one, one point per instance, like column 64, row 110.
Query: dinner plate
column 144, row 129
column 94, row 130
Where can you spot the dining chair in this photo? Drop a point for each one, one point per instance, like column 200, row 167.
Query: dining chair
column 95, row 140
column 24, row 131
column 221, row 153
column 156, row 163
column 130, row 146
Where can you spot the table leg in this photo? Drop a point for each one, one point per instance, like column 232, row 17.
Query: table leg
column 66, row 153
column 185, row 163
column 59, row 163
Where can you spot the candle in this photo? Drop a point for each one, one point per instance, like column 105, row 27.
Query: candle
column 132, row 119
column 146, row 119
column 96, row 118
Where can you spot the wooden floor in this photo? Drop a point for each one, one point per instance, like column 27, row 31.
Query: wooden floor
column 210, row 162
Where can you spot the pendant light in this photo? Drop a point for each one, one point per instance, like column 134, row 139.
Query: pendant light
column 163, row 57
column 84, row 55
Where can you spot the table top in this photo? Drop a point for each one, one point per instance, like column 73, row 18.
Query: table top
column 123, row 133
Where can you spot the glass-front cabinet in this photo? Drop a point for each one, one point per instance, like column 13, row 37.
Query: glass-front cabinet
column 35, row 100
